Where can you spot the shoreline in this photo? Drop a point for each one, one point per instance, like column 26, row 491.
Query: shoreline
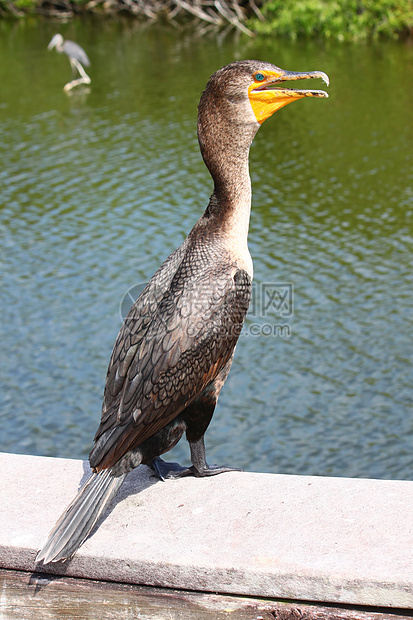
column 263, row 18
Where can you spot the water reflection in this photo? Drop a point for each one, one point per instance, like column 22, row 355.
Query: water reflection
column 97, row 189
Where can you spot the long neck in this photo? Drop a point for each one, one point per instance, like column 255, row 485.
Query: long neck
column 225, row 138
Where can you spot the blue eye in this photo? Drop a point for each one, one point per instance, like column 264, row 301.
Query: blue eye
column 259, row 77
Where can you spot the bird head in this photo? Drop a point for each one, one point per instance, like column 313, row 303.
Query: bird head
column 57, row 42
column 259, row 86
column 267, row 92
column 237, row 99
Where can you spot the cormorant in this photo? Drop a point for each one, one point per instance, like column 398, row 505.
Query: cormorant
column 175, row 347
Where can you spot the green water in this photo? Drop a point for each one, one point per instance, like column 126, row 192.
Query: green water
column 99, row 187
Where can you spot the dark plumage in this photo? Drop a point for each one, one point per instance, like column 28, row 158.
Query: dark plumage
column 175, row 348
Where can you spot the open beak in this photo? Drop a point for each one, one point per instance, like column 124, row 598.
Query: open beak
column 270, row 95
column 274, row 83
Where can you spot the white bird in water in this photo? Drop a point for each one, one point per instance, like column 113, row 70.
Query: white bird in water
column 77, row 58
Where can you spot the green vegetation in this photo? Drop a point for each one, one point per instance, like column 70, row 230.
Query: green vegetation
column 344, row 20
column 347, row 20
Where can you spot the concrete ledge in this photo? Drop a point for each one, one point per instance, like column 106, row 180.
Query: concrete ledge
column 331, row 540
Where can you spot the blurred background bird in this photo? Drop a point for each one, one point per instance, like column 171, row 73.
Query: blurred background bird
column 77, row 57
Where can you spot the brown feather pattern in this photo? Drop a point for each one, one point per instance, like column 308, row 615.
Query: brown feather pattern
column 177, row 337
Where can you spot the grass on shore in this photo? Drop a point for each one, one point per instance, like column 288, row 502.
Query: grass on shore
column 347, row 20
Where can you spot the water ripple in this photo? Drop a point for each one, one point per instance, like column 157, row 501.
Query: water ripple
column 97, row 192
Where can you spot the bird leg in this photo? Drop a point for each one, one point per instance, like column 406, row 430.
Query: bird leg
column 199, row 469
column 84, row 78
column 197, row 417
column 83, row 74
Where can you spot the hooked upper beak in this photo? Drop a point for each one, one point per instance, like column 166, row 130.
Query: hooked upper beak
column 274, row 82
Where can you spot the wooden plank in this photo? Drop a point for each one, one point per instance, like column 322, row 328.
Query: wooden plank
column 34, row 596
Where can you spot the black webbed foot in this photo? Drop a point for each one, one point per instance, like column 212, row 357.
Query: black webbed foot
column 200, row 467
column 208, row 470
column 167, row 471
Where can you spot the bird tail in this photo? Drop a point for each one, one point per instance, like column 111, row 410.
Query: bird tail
column 78, row 520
